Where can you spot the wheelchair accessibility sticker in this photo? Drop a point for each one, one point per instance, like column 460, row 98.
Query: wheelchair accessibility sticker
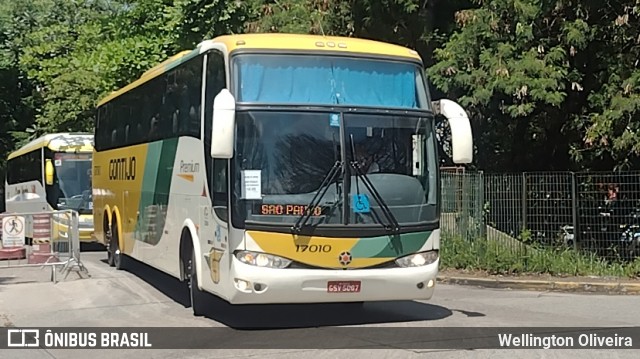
column 360, row 203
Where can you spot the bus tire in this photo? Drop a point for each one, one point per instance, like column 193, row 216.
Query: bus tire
column 196, row 296
column 110, row 260
column 119, row 259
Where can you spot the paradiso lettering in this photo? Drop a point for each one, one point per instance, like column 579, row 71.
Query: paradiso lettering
column 122, row 169
column 287, row 210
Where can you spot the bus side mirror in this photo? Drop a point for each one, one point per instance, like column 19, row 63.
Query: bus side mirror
column 48, row 172
column 461, row 136
column 223, row 125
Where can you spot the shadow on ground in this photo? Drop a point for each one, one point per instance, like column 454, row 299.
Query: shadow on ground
column 91, row 247
column 282, row 316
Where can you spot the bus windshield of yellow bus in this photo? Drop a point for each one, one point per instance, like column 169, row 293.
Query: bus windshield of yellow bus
column 72, row 185
column 351, row 140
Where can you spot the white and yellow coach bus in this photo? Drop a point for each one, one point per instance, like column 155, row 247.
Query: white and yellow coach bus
column 52, row 173
column 278, row 168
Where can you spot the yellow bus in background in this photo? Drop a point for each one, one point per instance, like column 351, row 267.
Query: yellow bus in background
column 51, row 173
column 278, row 168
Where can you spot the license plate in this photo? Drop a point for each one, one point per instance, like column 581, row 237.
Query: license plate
column 343, row 287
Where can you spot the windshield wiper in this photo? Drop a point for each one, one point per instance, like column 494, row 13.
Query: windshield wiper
column 304, row 218
column 355, row 164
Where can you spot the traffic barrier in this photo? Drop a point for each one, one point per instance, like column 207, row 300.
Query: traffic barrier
column 42, row 253
column 41, row 228
column 8, row 253
column 45, row 239
column 10, row 245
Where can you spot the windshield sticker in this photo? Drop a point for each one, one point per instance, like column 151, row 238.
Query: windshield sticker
column 360, row 203
column 58, row 163
column 334, row 120
column 252, row 184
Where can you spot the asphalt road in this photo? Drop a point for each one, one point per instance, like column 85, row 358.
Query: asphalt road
column 145, row 297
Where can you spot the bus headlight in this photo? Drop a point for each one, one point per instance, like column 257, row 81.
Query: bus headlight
column 418, row 259
column 262, row 259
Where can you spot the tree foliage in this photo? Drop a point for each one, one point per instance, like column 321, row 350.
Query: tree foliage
column 545, row 81
column 549, row 84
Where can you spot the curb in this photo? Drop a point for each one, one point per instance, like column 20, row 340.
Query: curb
column 545, row 285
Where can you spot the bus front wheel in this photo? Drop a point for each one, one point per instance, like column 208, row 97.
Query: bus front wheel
column 196, row 295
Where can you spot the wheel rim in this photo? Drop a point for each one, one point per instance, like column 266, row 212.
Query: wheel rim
column 191, row 280
column 190, row 272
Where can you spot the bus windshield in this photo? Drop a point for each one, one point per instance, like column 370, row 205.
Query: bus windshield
column 73, row 181
column 308, row 79
column 283, row 157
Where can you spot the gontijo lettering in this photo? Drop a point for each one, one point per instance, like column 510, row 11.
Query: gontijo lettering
column 122, row 169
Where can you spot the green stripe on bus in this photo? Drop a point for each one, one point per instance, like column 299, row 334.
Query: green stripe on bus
column 164, row 172
column 389, row 246
column 156, row 185
column 147, row 188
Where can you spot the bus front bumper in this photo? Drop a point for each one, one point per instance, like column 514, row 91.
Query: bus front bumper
column 255, row 285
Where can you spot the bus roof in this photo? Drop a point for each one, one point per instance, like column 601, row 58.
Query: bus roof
column 59, row 142
column 276, row 41
column 302, row 42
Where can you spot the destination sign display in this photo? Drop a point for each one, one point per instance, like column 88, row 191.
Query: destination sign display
column 287, row 210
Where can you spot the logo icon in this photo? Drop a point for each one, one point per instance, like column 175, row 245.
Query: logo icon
column 13, row 226
column 345, row 258
column 360, row 203
column 21, row 338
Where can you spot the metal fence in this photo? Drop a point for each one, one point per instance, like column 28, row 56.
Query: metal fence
column 591, row 212
column 41, row 239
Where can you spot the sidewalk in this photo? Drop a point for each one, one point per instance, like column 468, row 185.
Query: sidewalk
column 600, row 285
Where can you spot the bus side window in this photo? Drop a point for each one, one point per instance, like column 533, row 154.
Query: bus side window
column 127, row 134
column 174, row 122
column 25, row 168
